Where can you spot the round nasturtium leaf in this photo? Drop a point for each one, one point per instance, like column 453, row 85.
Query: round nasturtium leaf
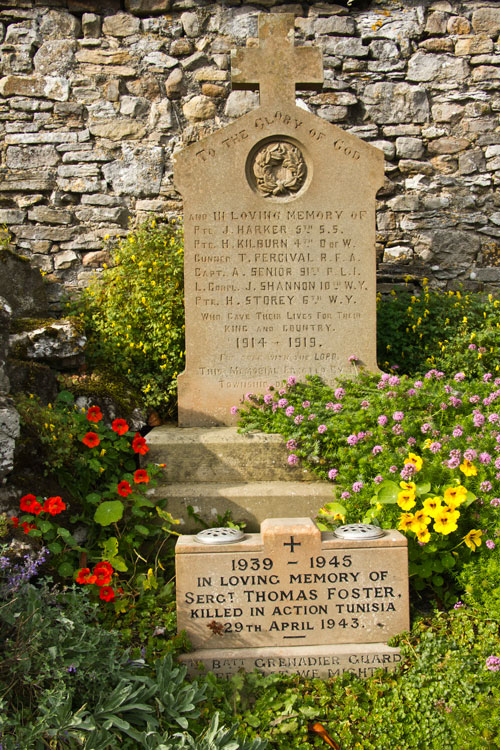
column 108, row 512
column 65, row 570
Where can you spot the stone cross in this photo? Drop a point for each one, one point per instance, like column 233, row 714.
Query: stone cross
column 276, row 66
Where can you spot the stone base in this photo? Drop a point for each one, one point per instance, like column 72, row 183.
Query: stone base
column 361, row 659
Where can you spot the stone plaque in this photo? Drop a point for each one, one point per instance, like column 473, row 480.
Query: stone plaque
column 292, row 586
column 279, row 216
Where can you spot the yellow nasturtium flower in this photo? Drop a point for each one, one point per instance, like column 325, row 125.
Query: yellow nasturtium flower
column 458, row 495
column 410, row 486
column 406, row 500
column 423, row 535
column 420, row 521
column 432, row 506
column 468, row 468
column 446, row 521
column 415, row 460
column 405, row 521
column 473, row 539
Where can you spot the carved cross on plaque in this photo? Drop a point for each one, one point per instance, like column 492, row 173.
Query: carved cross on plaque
column 276, row 66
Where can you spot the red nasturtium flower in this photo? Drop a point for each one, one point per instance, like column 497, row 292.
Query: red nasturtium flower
column 84, row 576
column 107, row 594
column 103, row 572
column 124, row 488
column 119, row 426
column 94, row 414
column 30, row 504
column 54, row 506
column 139, row 444
column 28, row 527
column 141, row 475
column 15, row 521
column 91, row 439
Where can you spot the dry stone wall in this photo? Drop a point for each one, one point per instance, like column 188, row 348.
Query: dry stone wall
column 97, row 96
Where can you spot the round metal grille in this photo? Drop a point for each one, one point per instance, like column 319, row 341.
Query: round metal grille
column 359, row 531
column 223, row 535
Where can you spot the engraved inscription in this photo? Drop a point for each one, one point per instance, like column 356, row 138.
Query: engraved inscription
column 279, row 169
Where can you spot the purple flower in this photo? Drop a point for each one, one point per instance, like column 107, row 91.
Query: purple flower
column 459, row 377
column 497, row 463
column 365, row 404
column 289, row 411
column 435, row 447
column 418, row 384
column 248, row 396
column 234, row 410
column 345, row 495
column 425, row 427
column 274, row 406
column 397, row 429
column 455, row 402
column 357, row 486
column 485, row 458
column 495, row 502
column 490, row 544
column 393, row 469
column 339, row 393
column 352, row 440
column 458, row 431
column 487, row 376
column 268, row 398
column 470, row 454
column 282, row 391
column 382, row 420
column 406, row 472
column 72, row 669
column 299, row 419
column 493, row 418
column 322, row 428
column 291, row 444
column 411, row 392
column 398, row 416
column 282, row 403
column 329, row 405
column 306, row 404
column 311, row 417
column 337, row 407
column 394, row 380
column 293, row 460
column 353, row 358
column 474, row 399
column 486, row 486
column 377, row 449
column 333, row 473
column 472, row 347
column 478, row 418
column 379, row 478
column 411, row 441
column 493, row 663
column 292, row 380
column 453, row 463
column 458, row 605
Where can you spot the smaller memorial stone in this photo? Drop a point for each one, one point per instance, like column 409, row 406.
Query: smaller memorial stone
column 293, row 597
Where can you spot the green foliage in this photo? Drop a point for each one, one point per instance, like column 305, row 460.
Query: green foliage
column 134, row 314
column 480, row 579
column 448, row 322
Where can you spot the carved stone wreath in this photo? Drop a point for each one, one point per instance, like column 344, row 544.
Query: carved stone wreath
column 279, row 168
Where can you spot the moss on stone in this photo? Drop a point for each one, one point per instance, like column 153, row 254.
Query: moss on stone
column 103, row 386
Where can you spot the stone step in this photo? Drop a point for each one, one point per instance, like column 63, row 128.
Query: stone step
column 221, row 454
column 249, row 502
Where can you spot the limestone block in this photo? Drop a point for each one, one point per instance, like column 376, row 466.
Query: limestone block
column 407, row 25
column 160, row 117
column 11, row 216
column 345, row 47
column 191, row 24
column 396, row 102
column 383, row 49
column 100, row 214
column 103, row 56
column 50, row 215
column 486, row 21
column 138, row 172
column 449, row 145
column 55, row 57
column 120, row 24
column 210, row 74
column 196, row 60
column 58, row 24
column 212, row 90
column 118, row 129
column 474, row 45
column 409, row 148
column 134, row 106
column 444, row 244
column 9, row 431
column 428, row 67
column 485, row 73
column 173, row 84
column 48, row 86
column 199, row 108
column 160, row 60
column 181, row 47
column 239, row 23
column 43, row 232
column 447, row 112
column 57, row 342
column 458, row 25
column 65, row 260
column 145, row 7
column 436, row 23
column 335, row 25
column 437, row 44
column 91, row 25
column 240, row 102
column 387, row 147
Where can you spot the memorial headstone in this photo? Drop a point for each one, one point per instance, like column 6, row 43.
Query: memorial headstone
column 292, row 599
column 279, row 219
